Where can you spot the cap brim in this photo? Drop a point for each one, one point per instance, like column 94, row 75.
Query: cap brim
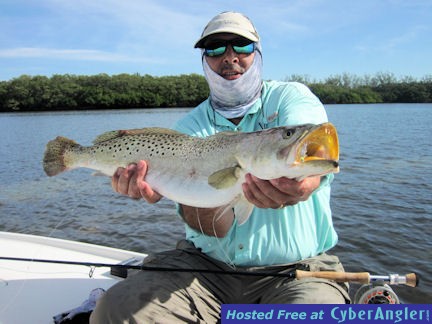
column 246, row 34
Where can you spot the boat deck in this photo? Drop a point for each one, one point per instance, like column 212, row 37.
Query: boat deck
column 34, row 292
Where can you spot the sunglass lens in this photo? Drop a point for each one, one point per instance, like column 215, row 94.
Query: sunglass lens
column 246, row 49
column 215, row 51
column 240, row 47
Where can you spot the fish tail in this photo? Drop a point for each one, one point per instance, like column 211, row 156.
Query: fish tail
column 54, row 161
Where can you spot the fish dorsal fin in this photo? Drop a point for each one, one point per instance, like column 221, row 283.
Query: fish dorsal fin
column 155, row 130
column 136, row 131
column 224, row 178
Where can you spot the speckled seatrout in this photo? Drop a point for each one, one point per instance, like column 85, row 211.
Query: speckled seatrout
column 204, row 172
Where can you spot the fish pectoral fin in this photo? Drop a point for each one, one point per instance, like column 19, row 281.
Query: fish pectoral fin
column 224, row 178
column 242, row 210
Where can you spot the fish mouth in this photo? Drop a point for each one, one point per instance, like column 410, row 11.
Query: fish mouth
column 320, row 143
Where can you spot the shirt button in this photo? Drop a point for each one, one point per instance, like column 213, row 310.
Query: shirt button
column 240, row 246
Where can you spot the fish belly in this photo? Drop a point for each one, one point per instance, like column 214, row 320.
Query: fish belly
column 194, row 192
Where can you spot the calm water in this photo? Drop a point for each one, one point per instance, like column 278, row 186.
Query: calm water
column 381, row 198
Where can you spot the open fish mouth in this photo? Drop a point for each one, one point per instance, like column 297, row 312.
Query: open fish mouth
column 320, row 143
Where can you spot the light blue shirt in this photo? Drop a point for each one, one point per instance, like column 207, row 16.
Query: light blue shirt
column 269, row 236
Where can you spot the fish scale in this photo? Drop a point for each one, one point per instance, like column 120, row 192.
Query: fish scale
column 204, row 172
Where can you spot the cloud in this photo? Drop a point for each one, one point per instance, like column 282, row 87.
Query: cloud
column 140, row 23
column 70, row 54
column 399, row 41
column 404, row 38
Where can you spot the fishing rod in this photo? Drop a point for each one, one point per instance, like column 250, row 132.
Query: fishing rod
column 410, row 279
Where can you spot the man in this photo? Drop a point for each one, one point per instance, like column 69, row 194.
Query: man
column 290, row 226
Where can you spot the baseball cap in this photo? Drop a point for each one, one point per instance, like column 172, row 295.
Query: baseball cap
column 229, row 22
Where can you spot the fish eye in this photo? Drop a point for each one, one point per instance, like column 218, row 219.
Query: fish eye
column 288, row 133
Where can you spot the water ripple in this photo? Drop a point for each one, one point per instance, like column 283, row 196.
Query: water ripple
column 381, row 199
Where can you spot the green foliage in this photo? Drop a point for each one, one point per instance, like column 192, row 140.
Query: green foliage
column 40, row 93
column 382, row 87
column 332, row 94
column 60, row 92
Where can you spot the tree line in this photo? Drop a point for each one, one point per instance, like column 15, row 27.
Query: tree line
column 73, row 92
column 379, row 88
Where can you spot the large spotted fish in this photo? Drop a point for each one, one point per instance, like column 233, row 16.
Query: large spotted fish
column 205, row 172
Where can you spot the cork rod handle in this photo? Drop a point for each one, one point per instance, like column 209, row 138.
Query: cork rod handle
column 360, row 277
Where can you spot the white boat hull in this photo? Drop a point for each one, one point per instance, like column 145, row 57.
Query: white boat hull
column 34, row 292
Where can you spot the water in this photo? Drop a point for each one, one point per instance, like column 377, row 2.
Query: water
column 381, row 199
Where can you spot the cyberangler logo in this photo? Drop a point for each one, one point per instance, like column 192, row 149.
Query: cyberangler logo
column 379, row 313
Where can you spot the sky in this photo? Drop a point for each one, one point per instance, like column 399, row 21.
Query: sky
column 313, row 38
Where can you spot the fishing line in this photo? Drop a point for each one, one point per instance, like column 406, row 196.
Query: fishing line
column 27, row 270
column 230, row 262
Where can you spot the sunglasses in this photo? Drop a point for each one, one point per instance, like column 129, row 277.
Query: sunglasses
column 240, row 46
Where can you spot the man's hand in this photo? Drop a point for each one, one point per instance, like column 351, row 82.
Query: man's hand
column 130, row 181
column 280, row 192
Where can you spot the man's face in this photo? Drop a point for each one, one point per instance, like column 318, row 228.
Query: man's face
column 230, row 65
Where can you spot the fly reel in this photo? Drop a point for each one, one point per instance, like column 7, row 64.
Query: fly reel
column 376, row 293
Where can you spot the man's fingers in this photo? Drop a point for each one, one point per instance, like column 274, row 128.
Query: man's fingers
column 124, row 181
column 148, row 193
column 145, row 190
column 261, row 193
column 115, row 178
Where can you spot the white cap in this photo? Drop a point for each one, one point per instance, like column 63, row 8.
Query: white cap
column 229, row 22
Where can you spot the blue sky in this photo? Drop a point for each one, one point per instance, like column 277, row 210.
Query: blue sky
column 317, row 38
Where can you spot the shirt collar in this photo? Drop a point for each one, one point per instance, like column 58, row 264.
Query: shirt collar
column 218, row 120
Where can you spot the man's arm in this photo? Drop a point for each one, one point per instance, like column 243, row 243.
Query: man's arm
column 209, row 221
